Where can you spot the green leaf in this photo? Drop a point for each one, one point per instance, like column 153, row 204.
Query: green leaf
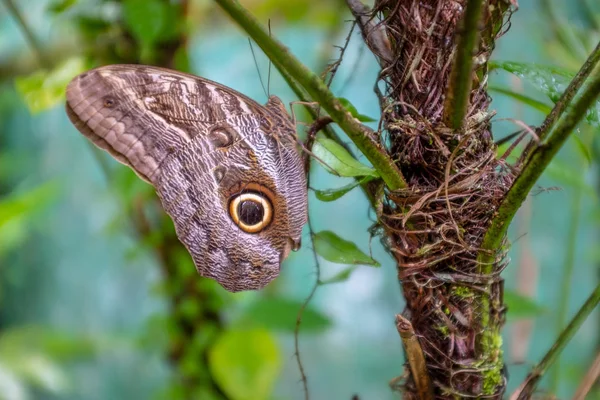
column 43, row 90
column 334, row 157
column 17, row 211
column 350, row 107
column 144, row 18
column 552, row 81
column 520, row 307
column 41, row 372
column 32, row 355
column 245, row 363
column 151, row 21
column 335, row 249
column 93, row 26
column 60, row 6
column 60, row 346
column 533, row 103
column 182, row 59
column 334, row 194
column 276, row 313
column 341, row 276
column 19, row 204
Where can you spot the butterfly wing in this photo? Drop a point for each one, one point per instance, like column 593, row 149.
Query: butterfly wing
column 200, row 144
column 141, row 114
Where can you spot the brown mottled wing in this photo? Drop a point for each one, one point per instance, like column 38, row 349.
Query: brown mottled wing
column 199, row 143
column 140, row 114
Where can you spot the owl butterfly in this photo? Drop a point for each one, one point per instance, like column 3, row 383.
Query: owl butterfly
column 226, row 169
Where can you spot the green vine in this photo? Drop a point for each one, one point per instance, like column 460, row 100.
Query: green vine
column 361, row 135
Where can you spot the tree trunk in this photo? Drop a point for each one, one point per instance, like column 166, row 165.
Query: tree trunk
column 434, row 227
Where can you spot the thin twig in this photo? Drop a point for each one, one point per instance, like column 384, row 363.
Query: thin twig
column 362, row 136
column 565, row 99
column 527, row 388
column 316, row 126
column 588, row 380
column 353, row 68
column 319, row 123
column 461, row 75
column 538, row 161
column 329, row 132
column 333, row 68
column 330, row 38
column 373, row 34
column 562, row 104
column 308, row 299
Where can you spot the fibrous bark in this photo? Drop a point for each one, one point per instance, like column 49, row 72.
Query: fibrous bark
column 434, row 227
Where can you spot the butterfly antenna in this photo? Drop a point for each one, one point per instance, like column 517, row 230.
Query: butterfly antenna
column 270, row 64
column 257, row 69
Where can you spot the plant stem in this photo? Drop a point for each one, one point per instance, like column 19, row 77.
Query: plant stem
column 372, row 33
column 329, row 132
column 569, row 93
column 304, row 97
column 528, row 386
column 28, row 33
column 565, row 292
column 362, row 136
column 313, row 290
column 461, row 76
column 588, row 380
column 537, row 163
column 415, row 357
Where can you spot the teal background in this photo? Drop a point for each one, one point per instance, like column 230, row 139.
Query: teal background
column 81, row 272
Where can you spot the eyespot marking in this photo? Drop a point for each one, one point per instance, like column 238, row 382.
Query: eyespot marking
column 222, row 136
column 219, row 173
column 252, row 212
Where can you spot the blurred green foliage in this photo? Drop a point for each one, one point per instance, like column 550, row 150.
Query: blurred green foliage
column 280, row 314
column 150, row 22
column 219, row 346
column 43, row 90
column 550, row 80
column 246, row 363
column 520, row 306
column 18, row 212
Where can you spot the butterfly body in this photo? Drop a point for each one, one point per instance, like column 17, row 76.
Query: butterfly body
column 226, row 169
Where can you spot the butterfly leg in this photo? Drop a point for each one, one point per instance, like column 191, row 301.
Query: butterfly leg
column 312, row 104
